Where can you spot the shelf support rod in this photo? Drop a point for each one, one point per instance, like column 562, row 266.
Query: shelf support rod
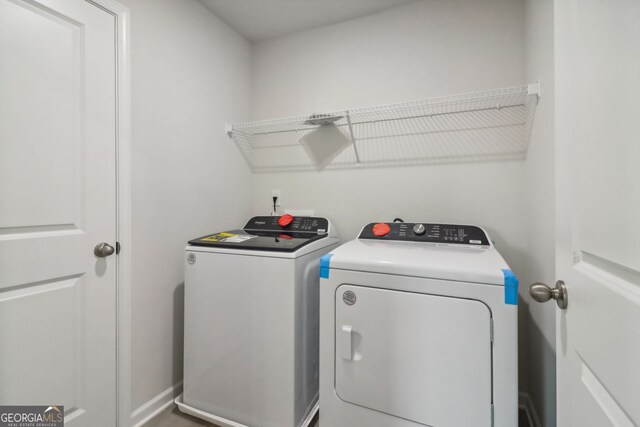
column 353, row 138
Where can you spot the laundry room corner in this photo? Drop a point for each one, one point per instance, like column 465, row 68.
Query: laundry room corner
column 346, row 65
column 419, row 50
column 307, row 72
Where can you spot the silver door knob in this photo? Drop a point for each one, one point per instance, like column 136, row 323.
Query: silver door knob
column 103, row 250
column 542, row 293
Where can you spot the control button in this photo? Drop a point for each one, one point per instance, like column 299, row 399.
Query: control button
column 285, row 220
column 419, row 229
column 381, row 229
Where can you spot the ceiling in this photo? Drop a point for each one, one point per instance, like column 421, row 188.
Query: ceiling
column 259, row 20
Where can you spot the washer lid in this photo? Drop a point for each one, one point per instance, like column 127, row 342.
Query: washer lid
column 270, row 233
column 257, row 240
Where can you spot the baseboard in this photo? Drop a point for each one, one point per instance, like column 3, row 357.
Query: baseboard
column 156, row 405
column 524, row 401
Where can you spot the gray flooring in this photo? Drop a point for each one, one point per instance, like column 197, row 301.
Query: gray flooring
column 172, row 417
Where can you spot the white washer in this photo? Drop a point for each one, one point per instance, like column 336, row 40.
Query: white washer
column 251, row 322
column 418, row 327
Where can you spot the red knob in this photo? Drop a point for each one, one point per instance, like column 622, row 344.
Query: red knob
column 381, row 229
column 285, row 220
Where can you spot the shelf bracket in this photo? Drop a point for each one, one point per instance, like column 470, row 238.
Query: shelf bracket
column 534, row 88
column 353, row 138
column 228, row 129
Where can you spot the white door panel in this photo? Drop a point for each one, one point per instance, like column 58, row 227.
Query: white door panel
column 598, row 211
column 590, row 392
column 57, row 201
column 44, row 343
column 415, row 356
column 41, row 102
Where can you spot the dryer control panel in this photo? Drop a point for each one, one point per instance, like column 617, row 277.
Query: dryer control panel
column 423, row 232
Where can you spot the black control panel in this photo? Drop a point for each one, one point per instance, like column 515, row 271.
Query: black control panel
column 422, row 232
column 301, row 224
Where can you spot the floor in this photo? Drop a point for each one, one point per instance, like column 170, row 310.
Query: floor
column 172, row 417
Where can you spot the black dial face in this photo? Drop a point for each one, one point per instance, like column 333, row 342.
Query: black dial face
column 435, row 233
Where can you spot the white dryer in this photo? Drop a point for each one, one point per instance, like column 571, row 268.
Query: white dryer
column 418, row 327
column 251, row 322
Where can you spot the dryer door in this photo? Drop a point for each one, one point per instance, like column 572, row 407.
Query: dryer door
column 421, row 357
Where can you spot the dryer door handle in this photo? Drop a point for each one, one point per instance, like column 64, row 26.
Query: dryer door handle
column 346, row 342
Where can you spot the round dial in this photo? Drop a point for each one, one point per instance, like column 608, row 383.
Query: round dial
column 381, row 229
column 419, row 229
column 285, row 220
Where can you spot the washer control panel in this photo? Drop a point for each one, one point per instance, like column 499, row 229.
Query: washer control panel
column 304, row 224
column 423, row 232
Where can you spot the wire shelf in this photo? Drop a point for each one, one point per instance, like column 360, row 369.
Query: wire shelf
column 479, row 126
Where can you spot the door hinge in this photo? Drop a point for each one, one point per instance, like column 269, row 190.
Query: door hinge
column 117, row 248
column 491, row 329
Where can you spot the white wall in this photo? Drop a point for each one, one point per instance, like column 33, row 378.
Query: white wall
column 538, row 349
column 191, row 73
column 424, row 49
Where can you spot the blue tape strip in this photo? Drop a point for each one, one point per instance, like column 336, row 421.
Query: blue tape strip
column 510, row 287
column 325, row 262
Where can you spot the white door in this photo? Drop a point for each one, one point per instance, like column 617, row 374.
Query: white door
column 57, row 201
column 598, row 210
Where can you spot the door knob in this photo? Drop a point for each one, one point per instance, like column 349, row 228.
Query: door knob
column 103, row 250
column 542, row 293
